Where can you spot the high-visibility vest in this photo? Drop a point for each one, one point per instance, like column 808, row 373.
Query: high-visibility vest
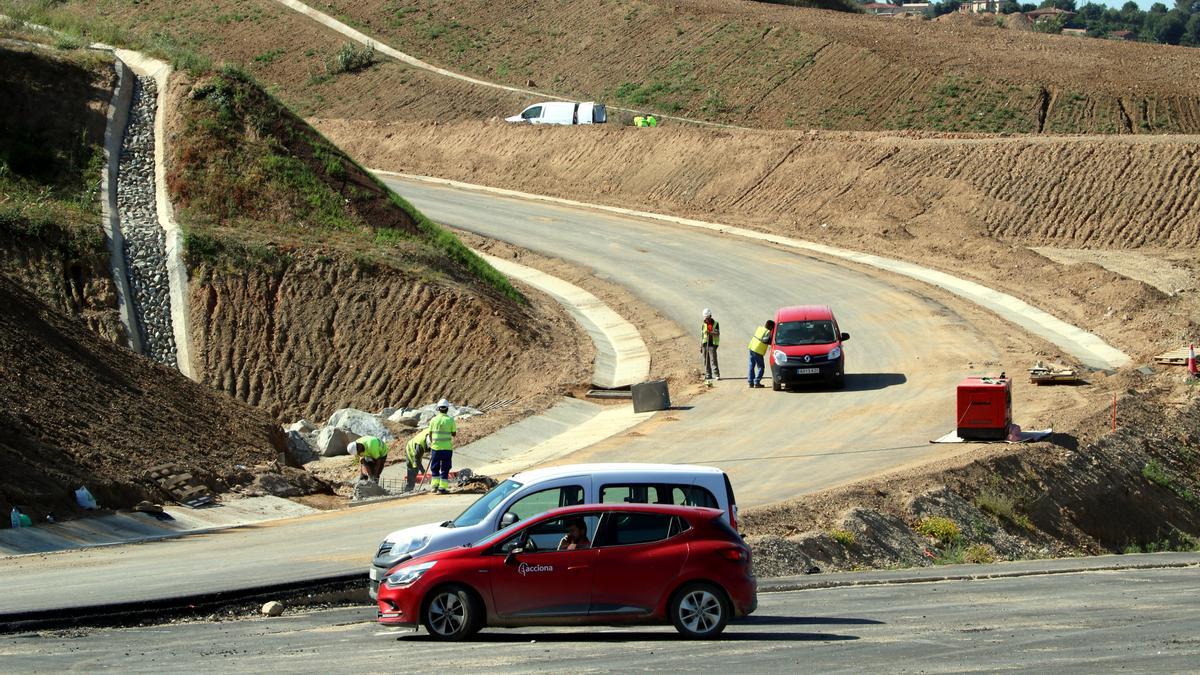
column 441, row 432
column 414, row 449
column 639, row 121
column 758, row 343
column 651, row 121
column 715, row 333
column 374, row 448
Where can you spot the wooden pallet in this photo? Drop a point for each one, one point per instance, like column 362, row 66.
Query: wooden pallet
column 183, row 487
column 1175, row 357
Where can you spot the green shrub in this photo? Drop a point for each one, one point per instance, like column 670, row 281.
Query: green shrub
column 1002, row 507
column 979, row 554
column 944, row 530
column 843, row 537
column 352, row 58
column 1154, row 473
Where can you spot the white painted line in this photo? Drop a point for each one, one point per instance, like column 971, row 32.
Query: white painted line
column 1089, row 348
column 621, row 356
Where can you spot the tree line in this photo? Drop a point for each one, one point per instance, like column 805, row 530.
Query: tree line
column 1179, row 25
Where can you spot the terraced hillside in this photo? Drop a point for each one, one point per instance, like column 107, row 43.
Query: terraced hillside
column 969, row 205
column 313, row 287
column 733, row 61
column 764, row 65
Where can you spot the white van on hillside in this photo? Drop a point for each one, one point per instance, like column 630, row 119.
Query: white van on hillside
column 562, row 112
column 534, row 492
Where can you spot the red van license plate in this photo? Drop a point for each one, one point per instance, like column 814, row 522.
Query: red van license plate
column 807, row 371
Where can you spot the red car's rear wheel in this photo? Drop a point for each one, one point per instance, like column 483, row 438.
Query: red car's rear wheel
column 699, row 611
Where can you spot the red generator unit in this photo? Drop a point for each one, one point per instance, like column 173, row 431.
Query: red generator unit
column 984, row 408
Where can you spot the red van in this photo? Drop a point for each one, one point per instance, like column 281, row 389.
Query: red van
column 605, row 564
column 806, row 347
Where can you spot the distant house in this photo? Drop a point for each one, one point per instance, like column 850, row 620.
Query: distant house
column 1122, row 35
column 916, row 8
column 880, row 9
column 1049, row 12
column 1077, row 32
column 980, row 7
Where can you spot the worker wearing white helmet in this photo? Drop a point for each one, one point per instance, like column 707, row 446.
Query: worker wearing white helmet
column 710, row 339
column 372, row 454
column 441, row 439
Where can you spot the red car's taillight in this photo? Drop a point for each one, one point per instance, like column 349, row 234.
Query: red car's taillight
column 733, row 553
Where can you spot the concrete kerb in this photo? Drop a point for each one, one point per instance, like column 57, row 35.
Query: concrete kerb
column 1003, row 570
column 363, row 39
column 114, row 134
column 622, row 358
column 177, row 275
column 1090, row 349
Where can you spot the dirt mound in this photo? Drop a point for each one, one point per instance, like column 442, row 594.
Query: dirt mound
column 315, row 288
column 746, row 63
column 325, row 332
column 966, row 205
column 51, row 140
column 1133, row 490
column 77, row 410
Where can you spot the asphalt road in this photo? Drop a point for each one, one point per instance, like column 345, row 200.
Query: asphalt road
column 905, row 355
column 904, row 358
column 1138, row 620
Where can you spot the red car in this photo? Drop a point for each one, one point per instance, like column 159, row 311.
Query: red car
column 806, row 346
column 588, row 564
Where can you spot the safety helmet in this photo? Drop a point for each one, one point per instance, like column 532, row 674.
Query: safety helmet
column 707, row 312
column 352, row 448
column 443, row 404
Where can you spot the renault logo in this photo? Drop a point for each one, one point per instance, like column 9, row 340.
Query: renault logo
column 807, row 358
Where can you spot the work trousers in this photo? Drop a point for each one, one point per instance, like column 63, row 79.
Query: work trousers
column 410, row 477
column 757, row 368
column 439, row 468
column 711, row 368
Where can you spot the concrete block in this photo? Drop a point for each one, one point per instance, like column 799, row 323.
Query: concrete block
column 650, row 396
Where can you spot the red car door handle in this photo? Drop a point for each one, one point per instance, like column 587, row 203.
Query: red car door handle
column 577, row 567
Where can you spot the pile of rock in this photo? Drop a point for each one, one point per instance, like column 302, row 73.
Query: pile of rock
column 309, row 442
column 145, row 242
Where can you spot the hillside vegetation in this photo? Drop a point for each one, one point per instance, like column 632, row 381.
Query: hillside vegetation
column 747, row 63
column 51, row 159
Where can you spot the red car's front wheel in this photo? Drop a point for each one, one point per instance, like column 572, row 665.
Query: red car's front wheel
column 452, row 613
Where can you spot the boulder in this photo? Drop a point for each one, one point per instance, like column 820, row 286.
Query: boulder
column 299, row 448
column 272, row 608
column 360, row 422
column 408, row 417
column 332, row 441
column 387, row 412
column 302, row 427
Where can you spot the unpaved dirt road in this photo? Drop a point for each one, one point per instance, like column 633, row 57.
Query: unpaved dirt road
column 1143, row 620
column 905, row 355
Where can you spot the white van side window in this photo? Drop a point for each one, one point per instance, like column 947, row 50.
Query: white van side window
column 658, row 493
column 537, row 503
column 532, row 113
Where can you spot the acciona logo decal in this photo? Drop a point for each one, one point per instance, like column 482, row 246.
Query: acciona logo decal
column 526, row 568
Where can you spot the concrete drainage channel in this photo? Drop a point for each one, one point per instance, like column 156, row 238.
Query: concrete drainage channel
column 145, row 245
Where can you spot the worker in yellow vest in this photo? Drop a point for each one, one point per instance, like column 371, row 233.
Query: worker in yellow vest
column 710, row 339
column 758, row 348
column 441, row 439
column 651, row 121
column 414, row 452
column 372, row 455
column 639, row 121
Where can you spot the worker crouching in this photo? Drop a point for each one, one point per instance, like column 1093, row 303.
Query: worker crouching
column 372, row 457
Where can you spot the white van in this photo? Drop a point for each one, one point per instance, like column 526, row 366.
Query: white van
column 562, row 112
column 533, row 492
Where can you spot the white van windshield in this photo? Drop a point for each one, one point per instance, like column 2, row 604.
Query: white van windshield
column 485, row 504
